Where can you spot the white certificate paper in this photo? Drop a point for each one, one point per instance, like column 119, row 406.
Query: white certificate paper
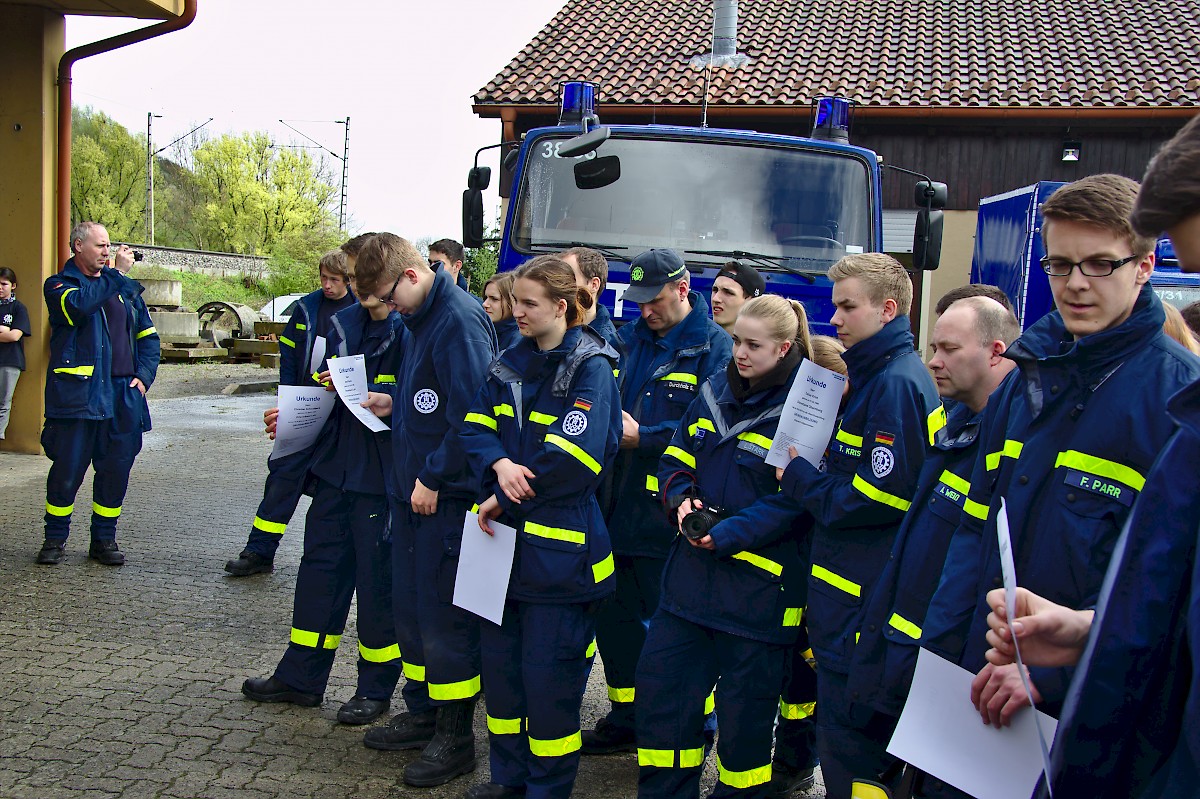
column 349, row 376
column 302, row 414
column 809, row 415
column 318, row 355
column 940, row 732
column 484, row 565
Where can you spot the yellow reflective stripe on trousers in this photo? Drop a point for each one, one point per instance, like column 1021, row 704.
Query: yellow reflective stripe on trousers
column 313, row 640
column 701, row 424
column 450, row 691
column 62, row 300
column 150, row 331
column 797, row 711
column 755, row 438
column 287, row 341
column 935, row 422
column 601, row 570
column 556, row 533
column 503, row 726
column 710, row 702
column 680, row 377
column 269, row 527
column 766, row 564
column 1012, row 449
column 848, row 438
column 871, row 492
column 620, row 695
column 863, row 790
column 414, row 672
column 60, row 510
column 573, row 449
column 542, row 418
column 792, row 617
column 954, row 481
column 86, row 371
column 556, row 747
column 665, row 758
column 836, row 580
column 1101, row 468
column 652, row 482
column 480, row 419
column 591, row 650
column 905, row 626
column 503, row 409
column 681, row 455
column 106, row 512
column 385, row 655
column 975, row 509
column 743, row 779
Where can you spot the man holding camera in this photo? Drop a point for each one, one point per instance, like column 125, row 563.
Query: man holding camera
column 104, row 354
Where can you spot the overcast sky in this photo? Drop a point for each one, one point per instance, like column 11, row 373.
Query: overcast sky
column 404, row 73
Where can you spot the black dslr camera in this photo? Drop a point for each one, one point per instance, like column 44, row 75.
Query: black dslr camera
column 137, row 255
column 701, row 521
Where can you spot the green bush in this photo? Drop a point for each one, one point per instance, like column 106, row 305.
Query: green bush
column 200, row 288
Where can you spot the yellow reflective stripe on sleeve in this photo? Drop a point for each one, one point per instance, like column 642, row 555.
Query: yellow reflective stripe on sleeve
column 792, row 617
column 652, row 482
column 836, row 580
column 743, row 779
column 556, row 533
column 475, row 508
column 871, row 492
column 755, row 438
column 316, row 376
column 681, row 455
column 954, row 481
column 620, row 695
column 863, row 790
column 975, row 509
column 1101, row 468
column 414, row 672
column 542, row 418
column 480, row 419
column 710, row 702
column 450, row 691
column 312, row 640
column 797, row 711
column 503, row 726
column 62, row 300
column 766, row 564
column 287, row 341
column 60, row 510
column 301, row 326
column 601, row 570
column 905, row 626
column 701, row 424
column 384, row 655
column 106, row 512
column 503, row 409
column 591, row 650
column 556, row 747
column 848, row 438
column 935, row 422
column 277, row 528
column 1012, row 449
column 389, row 379
column 86, row 371
column 680, row 377
column 573, row 449
column 150, row 331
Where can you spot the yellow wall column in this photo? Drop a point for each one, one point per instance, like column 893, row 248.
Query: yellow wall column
column 34, row 41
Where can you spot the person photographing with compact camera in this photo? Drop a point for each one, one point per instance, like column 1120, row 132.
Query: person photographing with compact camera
column 722, row 613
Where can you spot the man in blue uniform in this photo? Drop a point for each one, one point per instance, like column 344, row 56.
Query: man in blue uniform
column 591, row 273
column 667, row 354
column 310, row 320
column 104, row 355
column 857, row 504
column 967, row 363
column 733, row 285
column 450, row 343
column 1067, row 441
column 450, row 255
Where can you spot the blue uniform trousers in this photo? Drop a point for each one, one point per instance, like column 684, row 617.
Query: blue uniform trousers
column 535, row 666
column 621, row 629
column 110, row 446
column 440, row 642
column 345, row 551
column 281, row 493
column 679, row 666
column 795, row 731
column 852, row 738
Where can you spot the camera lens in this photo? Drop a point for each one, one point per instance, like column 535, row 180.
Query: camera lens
column 697, row 524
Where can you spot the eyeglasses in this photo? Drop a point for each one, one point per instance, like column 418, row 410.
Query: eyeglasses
column 388, row 299
column 1090, row 267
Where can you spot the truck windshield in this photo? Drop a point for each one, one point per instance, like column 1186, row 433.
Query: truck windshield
column 805, row 207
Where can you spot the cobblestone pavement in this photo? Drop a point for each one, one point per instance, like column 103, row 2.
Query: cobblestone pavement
column 125, row 682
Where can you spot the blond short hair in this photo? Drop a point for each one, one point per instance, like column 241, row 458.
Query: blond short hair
column 882, row 276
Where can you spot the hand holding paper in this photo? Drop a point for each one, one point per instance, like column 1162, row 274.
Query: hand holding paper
column 809, row 414
column 1050, row 634
column 349, row 376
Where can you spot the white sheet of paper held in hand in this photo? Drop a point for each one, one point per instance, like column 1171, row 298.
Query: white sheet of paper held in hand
column 940, row 732
column 349, row 376
column 484, row 564
column 302, row 415
column 809, row 415
column 318, row 355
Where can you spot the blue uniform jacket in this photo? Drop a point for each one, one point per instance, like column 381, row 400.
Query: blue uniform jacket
column 451, row 341
column 752, row 583
column 885, row 656
column 875, row 457
column 78, row 375
column 1067, row 443
column 558, row 414
column 603, row 324
column 1133, row 690
column 347, row 454
column 507, row 333
column 297, row 339
column 659, row 378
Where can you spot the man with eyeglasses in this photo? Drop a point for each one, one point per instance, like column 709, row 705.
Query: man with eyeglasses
column 1067, row 441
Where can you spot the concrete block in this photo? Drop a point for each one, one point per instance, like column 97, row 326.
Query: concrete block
column 165, row 293
column 177, row 327
column 269, row 360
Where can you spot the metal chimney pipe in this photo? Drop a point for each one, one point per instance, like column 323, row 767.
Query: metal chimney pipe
column 725, row 13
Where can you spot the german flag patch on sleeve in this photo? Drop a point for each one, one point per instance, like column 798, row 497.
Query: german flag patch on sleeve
column 583, row 404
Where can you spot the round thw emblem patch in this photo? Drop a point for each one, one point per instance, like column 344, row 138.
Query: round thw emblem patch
column 574, row 423
column 882, row 461
column 425, row 400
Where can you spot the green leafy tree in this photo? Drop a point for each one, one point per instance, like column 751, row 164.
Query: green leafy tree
column 292, row 265
column 481, row 262
column 108, row 174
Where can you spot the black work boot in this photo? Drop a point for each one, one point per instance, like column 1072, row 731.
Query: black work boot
column 786, row 780
column 107, row 553
column 608, row 738
column 452, row 750
column 52, row 552
column 248, row 563
column 490, row 790
column 402, row 731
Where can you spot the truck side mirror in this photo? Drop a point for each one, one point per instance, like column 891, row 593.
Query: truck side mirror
column 584, row 143
column 930, row 197
column 479, row 178
column 598, row 172
column 472, row 217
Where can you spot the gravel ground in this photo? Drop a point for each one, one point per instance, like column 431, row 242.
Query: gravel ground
column 201, row 379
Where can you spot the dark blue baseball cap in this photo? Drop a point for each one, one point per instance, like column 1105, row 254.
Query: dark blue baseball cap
column 650, row 271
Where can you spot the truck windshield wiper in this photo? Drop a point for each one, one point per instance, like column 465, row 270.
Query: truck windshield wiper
column 762, row 259
column 604, row 249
